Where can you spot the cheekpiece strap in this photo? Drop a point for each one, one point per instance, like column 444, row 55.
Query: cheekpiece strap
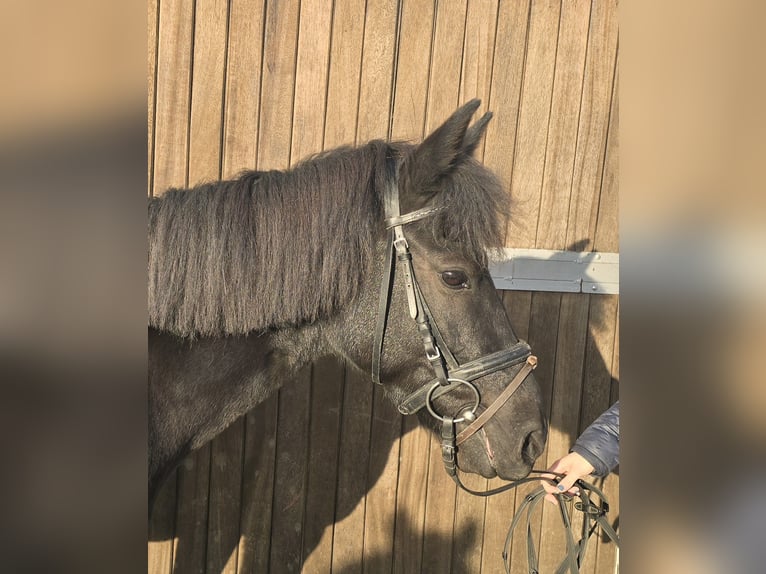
column 398, row 250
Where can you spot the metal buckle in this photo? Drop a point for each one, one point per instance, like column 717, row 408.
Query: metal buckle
column 592, row 509
column 431, row 357
column 401, row 240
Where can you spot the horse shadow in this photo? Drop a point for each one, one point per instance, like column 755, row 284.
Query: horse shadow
column 274, row 480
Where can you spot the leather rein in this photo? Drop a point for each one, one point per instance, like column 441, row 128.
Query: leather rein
column 450, row 374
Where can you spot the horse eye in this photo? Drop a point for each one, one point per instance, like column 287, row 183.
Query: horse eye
column 455, row 279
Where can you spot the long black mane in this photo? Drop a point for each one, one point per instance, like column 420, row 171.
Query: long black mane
column 278, row 248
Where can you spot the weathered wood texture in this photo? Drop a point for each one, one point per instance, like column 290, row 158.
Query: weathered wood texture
column 326, row 476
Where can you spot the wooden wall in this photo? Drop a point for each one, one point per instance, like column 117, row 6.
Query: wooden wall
column 326, row 477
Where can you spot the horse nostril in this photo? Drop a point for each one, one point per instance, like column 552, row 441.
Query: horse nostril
column 532, row 446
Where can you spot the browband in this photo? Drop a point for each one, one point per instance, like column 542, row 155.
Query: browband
column 397, row 220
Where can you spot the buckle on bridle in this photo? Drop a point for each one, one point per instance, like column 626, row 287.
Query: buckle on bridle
column 400, row 244
column 593, row 509
column 435, row 356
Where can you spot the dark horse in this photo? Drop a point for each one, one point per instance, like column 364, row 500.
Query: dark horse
column 253, row 278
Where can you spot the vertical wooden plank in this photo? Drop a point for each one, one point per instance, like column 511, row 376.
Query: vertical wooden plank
column 260, row 494
column 414, row 57
column 240, row 129
column 440, row 515
column 564, row 411
column 507, row 76
column 290, row 474
column 381, row 485
column 205, row 128
column 162, row 521
column 241, row 90
column 204, row 164
column 257, row 488
column 518, row 305
column 500, row 508
column 311, row 78
column 348, row 542
column 171, row 125
column 191, row 515
column 478, row 53
column 327, row 394
column 414, row 448
column 607, row 225
column 616, row 357
column 543, row 337
column 468, row 530
column 243, row 85
column 534, row 117
column 345, row 69
column 153, row 19
column 288, row 519
column 375, row 97
column 377, row 70
column 274, row 151
column 162, row 528
column 602, row 342
column 278, row 85
column 607, row 554
column 446, row 63
column 594, row 121
column 560, row 149
column 411, row 93
column 597, row 379
column 563, row 127
column 340, row 128
column 225, row 499
column 513, row 22
column 476, row 79
column 443, row 99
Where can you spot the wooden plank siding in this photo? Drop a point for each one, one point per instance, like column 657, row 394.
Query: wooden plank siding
column 326, row 476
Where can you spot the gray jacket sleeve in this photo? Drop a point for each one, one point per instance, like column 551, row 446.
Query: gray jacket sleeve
column 600, row 443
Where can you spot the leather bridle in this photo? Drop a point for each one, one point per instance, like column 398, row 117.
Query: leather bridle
column 450, row 374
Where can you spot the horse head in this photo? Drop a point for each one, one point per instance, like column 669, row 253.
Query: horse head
column 441, row 336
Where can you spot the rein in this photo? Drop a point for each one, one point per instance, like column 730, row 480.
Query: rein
column 594, row 514
column 449, row 375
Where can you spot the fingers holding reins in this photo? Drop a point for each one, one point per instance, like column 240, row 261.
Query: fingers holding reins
column 569, row 469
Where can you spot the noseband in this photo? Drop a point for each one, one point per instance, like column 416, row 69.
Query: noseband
column 449, row 374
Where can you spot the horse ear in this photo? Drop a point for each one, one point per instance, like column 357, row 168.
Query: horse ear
column 442, row 150
column 474, row 134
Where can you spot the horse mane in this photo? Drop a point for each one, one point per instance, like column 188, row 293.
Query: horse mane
column 276, row 248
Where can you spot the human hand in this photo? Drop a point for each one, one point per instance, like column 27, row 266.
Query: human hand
column 573, row 466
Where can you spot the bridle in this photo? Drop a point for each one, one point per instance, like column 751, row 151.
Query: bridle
column 450, row 375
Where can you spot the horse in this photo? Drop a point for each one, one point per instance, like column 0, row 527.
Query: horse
column 375, row 254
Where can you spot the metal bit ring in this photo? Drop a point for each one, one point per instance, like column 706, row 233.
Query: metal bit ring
column 462, row 382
